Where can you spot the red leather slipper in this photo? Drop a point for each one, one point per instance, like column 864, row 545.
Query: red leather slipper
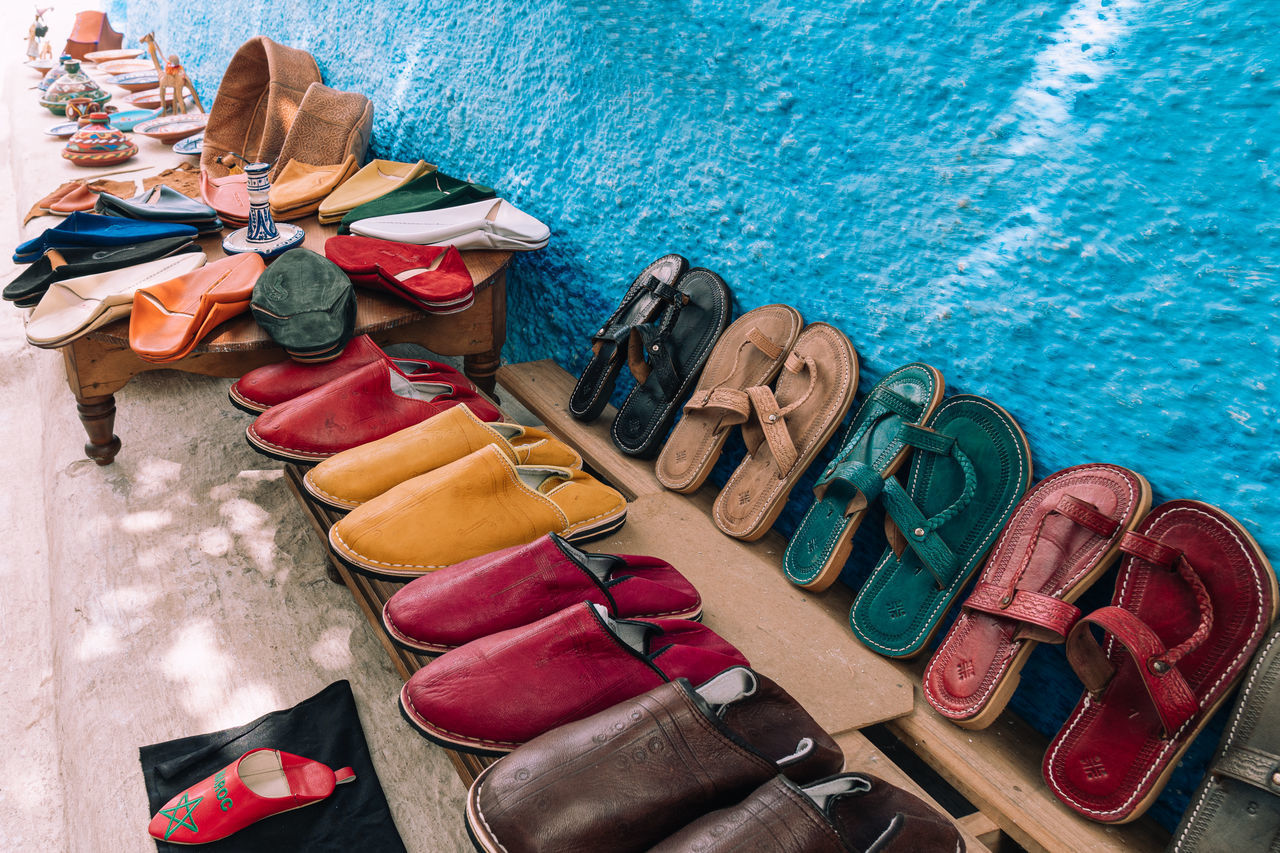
column 1194, row 598
column 1063, row 535
column 432, row 277
column 258, row 784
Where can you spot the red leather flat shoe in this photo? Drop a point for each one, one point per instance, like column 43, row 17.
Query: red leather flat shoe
column 258, row 784
column 492, row 695
column 273, row 384
column 432, row 277
column 369, row 403
column 520, row 585
column 1063, row 535
column 1194, row 599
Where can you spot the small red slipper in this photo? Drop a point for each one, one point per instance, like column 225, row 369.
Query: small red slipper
column 1194, row 598
column 434, row 278
column 258, row 784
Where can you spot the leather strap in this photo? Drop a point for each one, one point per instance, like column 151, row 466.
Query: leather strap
column 1046, row 619
column 769, row 421
column 1148, row 549
column 1252, row 766
column 919, row 533
column 857, row 484
column 1086, row 515
column 732, row 405
column 648, row 353
column 1169, row 692
column 924, row 438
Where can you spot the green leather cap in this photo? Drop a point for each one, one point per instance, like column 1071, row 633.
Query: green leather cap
column 306, row 304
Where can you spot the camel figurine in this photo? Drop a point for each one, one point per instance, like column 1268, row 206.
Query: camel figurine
column 150, row 41
column 172, row 83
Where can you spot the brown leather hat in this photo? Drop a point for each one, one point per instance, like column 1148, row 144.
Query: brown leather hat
column 257, row 103
column 330, row 127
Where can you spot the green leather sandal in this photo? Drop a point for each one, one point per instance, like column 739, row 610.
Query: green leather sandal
column 971, row 466
column 872, row 451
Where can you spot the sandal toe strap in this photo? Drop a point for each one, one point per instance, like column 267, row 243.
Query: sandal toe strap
column 1044, row 618
column 1252, row 766
column 1170, row 694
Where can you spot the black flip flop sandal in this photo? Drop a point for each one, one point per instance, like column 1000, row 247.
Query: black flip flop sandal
column 653, row 289
column 666, row 355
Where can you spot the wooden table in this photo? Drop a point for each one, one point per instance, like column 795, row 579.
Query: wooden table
column 101, row 363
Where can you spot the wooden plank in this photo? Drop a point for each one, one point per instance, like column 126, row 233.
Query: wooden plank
column 544, row 388
column 981, row 828
column 862, row 756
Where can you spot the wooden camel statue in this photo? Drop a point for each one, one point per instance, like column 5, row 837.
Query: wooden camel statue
column 173, row 80
column 150, row 41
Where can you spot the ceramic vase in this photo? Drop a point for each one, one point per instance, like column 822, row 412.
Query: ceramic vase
column 262, row 235
column 97, row 143
column 74, row 84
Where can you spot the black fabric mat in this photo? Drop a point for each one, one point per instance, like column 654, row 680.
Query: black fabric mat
column 325, row 728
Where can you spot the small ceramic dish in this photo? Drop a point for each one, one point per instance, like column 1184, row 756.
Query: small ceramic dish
column 136, row 81
column 41, row 65
column 191, row 146
column 126, row 66
column 100, row 56
column 63, row 129
column 128, row 119
column 168, row 129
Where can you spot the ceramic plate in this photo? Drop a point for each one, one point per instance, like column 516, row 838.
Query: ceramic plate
column 126, row 66
column 101, row 56
column 145, row 100
column 128, row 119
column 192, row 145
column 136, row 81
column 64, row 129
column 172, row 128
column 41, row 65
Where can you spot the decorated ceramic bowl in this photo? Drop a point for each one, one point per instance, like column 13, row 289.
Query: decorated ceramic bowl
column 63, row 129
column 129, row 119
column 126, row 66
column 192, row 146
column 169, row 129
column 41, row 65
column 137, row 81
column 97, row 143
column 74, row 84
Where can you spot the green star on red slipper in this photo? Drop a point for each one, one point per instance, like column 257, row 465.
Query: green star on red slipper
column 186, row 820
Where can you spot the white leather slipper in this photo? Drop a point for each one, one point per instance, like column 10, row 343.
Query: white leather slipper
column 497, row 219
column 77, row 306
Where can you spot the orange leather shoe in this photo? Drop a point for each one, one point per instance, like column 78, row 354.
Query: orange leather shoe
column 170, row 318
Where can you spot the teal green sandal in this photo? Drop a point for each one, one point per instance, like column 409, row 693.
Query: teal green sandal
column 872, row 451
column 971, row 466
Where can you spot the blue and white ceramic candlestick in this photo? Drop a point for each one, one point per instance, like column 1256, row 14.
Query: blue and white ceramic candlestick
column 262, row 235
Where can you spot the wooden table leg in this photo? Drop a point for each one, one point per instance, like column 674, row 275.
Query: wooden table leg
column 98, row 414
column 482, row 368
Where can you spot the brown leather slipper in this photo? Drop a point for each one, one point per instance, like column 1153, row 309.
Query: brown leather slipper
column 786, row 429
column 749, row 353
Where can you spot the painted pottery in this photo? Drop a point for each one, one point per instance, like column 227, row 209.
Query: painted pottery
column 74, row 84
column 63, row 129
column 129, row 119
column 126, row 66
column 78, row 108
column 55, row 70
column 262, row 235
column 42, row 65
column 137, row 81
column 98, row 143
column 101, row 56
column 191, row 146
column 169, row 129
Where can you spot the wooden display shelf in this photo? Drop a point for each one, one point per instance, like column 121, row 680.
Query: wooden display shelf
column 997, row 770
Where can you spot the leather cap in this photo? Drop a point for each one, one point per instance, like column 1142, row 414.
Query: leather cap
column 330, row 127
column 257, row 102
column 305, row 303
column 628, row 777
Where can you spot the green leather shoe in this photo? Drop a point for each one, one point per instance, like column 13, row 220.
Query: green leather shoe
column 872, row 451
column 431, row 191
column 970, row 468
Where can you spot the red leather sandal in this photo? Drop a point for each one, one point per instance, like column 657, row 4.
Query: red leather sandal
column 258, row 784
column 1194, row 598
column 1063, row 536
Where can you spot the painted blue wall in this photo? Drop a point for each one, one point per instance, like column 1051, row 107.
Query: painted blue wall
column 1069, row 207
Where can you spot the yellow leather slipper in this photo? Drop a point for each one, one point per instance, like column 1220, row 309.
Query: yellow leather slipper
column 300, row 187
column 474, row 506
column 354, row 476
column 373, row 181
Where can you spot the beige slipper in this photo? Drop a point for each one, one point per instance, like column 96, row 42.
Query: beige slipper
column 786, row 429
column 749, row 353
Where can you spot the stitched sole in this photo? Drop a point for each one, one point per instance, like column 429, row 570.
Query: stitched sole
column 1004, row 690
column 600, row 529
column 439, row 738
column 244, row 404
column 477, row 828
column 320, row 496
column 282, row 454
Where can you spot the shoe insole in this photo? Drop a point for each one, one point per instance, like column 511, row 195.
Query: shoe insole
column 408, row 274
column 821, row 792
column 424, row 391
column 729, row 686
column 599, row 565
column 263, row 774
column 634, row 634
column 544, row 480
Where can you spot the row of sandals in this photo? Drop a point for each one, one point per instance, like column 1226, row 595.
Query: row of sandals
column 427, row 487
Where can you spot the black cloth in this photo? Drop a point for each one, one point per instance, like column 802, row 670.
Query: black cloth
column 325, row 728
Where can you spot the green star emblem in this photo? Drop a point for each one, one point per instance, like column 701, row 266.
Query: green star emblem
column 186, row 820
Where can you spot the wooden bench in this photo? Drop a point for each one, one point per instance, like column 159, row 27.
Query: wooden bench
column 799, row 639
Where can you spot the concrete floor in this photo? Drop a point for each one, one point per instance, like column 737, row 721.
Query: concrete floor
column 177, row 591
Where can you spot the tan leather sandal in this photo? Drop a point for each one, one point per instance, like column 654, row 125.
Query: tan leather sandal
column 750, row 353
column 786, row 428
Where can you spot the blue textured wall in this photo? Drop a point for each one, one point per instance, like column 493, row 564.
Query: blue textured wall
column 1069, row 207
